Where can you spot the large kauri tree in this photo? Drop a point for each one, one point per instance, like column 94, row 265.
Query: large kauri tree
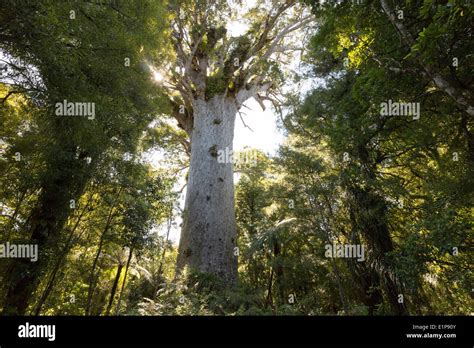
column 214, row 73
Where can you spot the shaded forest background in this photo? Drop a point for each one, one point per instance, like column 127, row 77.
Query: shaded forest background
column 345, row 174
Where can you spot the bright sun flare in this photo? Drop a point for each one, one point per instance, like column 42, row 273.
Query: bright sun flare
column 157, row 76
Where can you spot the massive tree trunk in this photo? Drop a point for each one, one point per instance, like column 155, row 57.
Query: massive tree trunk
column 214, row 74
column 208, row 235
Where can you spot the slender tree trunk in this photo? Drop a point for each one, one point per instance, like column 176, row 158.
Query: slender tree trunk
column 94, row 266
column 96, row 258
column 209, row 233
column 269, row 301
column 279, row 272
column 114, row 288
column 165, row 244
column 339, row 286
column 117, row 310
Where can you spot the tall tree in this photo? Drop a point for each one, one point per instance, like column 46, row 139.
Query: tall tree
column 214, row 73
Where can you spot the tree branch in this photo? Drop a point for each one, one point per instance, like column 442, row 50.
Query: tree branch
column 438, row 79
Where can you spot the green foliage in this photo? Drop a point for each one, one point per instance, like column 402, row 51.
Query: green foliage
column 400, row 186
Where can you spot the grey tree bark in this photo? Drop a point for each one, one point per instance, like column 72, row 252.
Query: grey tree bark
column 214, row 74
column 208, row 236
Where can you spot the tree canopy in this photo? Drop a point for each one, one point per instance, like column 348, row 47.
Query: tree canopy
column 111, row 112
